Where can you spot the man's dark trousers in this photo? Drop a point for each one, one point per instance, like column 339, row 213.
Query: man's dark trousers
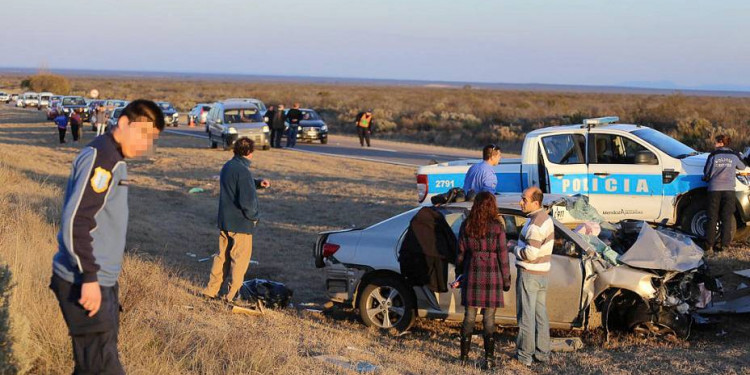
column 276, row 137
column 291, row 138
column 94, row 339
column 364, row 135
column 720, row 208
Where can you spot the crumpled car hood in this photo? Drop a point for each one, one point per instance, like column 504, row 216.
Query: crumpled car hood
column 663, row 250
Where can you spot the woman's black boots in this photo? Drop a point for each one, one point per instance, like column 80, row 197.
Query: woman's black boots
column 465, row 347
column 489, row 351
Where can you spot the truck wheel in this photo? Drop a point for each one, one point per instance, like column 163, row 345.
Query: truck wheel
column 387, row 303
column 694, row 222
column 211, row 141
column 225, row 144
column 324, row 141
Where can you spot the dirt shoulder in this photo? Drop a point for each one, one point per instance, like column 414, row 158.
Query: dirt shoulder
column 167, row 329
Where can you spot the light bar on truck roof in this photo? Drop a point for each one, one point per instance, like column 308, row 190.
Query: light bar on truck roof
column 600, row 121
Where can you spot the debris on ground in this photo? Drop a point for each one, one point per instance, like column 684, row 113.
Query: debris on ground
column 195, row 190
column 191, row 255
column 271, row 293
column 565, row 344
column 359, row 366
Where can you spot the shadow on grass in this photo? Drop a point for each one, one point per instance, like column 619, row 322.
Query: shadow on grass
column 7, row 362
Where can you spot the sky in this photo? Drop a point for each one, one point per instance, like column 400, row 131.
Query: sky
column 665, row 43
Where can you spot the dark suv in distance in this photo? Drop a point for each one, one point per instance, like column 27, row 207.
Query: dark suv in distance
column 70, row 104
column 171, row 117
column 311, row 127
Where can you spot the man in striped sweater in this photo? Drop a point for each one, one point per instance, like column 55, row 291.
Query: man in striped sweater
column 533, row 255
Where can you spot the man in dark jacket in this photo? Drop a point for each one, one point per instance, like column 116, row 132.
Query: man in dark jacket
column 720, row 173
column 364, row 127
column 238, row 215
column 91, row 242
column 276, row 123
column 294, row 116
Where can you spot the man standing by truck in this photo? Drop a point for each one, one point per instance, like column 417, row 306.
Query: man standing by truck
column 481, row 176
column 720, row 173
column 294, row 116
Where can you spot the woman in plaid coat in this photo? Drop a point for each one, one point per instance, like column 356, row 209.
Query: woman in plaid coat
column 483, row 258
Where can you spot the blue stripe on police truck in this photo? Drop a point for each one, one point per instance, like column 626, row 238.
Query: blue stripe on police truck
column 626, row 184
column 506, row 182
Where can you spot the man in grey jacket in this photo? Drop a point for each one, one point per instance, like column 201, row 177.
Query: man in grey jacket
column 238, row 216
column 720, row 173
column 91, row 241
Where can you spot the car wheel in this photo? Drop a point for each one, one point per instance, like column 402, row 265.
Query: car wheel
column 211, row 141
column 225, row 144
column 667, row 324
column 387, row 303
column 266, row 147
column 694, row 222
column 324, row 141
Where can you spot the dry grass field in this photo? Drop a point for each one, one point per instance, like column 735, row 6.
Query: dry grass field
column 463, row 117
column 167, row 329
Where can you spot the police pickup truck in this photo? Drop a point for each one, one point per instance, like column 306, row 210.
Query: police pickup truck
column 627, row 172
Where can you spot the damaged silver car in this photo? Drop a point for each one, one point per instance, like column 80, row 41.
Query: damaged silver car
column 628, row 275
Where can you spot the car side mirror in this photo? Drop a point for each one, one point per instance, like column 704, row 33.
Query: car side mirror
column 646, row 157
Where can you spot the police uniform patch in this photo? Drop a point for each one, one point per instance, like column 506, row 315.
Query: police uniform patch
column 100, row 180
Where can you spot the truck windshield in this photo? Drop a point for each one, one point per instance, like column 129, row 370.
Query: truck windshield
column 665, row 143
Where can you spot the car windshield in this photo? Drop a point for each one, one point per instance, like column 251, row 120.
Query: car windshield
column 665, row 143
column 240, row 115
column 310, row 115
column 165, row 106
column 73, row 101
column 116, row 113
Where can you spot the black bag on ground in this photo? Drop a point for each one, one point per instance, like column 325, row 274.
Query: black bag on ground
column 273, row 294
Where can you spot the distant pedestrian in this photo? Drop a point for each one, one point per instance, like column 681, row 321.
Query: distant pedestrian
column 481, row 176
column 238, row 216
column 720, row 173
column 533, row 256
column 294, row 116
column 483, row 262
column 364, row 127
column 101, row 119
column 91, row 241
column 62, row 126
column 276, row 123
column 75, row 125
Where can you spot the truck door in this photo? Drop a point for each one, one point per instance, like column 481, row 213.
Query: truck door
column 625, row 178
column 564, row 163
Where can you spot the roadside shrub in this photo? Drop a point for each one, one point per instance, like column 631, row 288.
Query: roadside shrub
column 50, row 82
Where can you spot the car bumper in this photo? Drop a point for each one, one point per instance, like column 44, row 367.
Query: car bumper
column 311, row 135
column 341, row 281
column 260, row 139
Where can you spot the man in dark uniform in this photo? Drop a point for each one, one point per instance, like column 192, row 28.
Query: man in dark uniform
column 720, row 173
column 294, row 116
column 91, row 241
column 276, row 123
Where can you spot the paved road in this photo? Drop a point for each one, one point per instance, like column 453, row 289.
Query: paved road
column 381, row 151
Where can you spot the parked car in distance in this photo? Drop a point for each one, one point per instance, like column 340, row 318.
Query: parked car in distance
column 198, row 114
column 652, row 292
column 258, row 103
column 14, row 97
column 44, row 99
column 4, row 97
column 70, row 104
column 113, row 117
column 229, row 120
column 311, row 127
column 30, row 99
column 171, row 117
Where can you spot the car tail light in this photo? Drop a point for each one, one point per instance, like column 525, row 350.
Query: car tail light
column 329, row 249
column 422, row 186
